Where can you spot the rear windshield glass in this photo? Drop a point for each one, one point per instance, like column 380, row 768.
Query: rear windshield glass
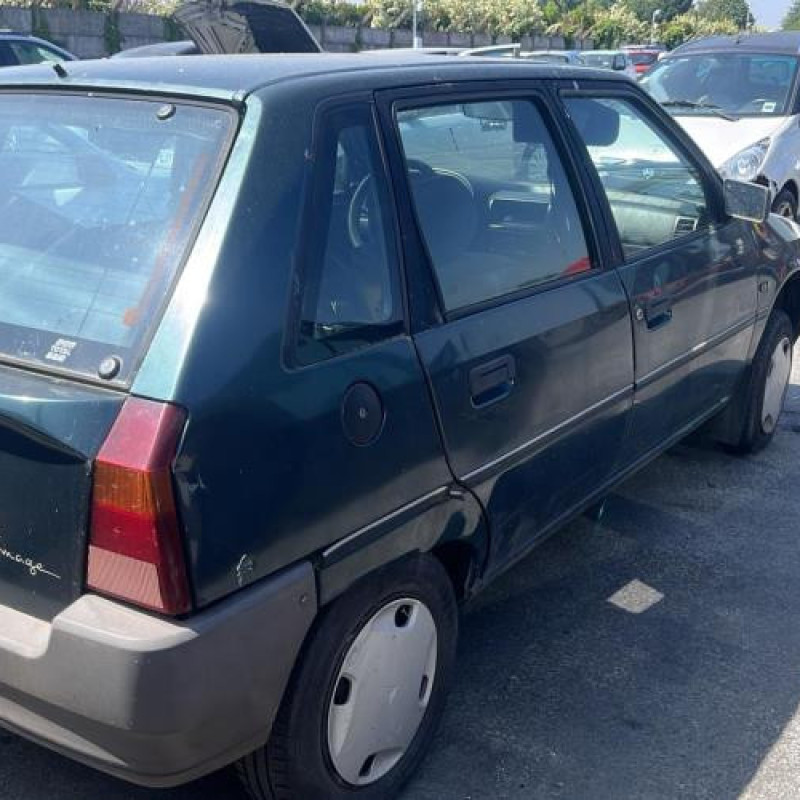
column 98, row 201
column 643, row 59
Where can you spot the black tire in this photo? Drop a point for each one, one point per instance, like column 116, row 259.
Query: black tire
column 296, row 764
column 753, row 436
column 785, row 204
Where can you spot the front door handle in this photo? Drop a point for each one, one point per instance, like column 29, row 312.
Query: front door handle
column 658, row 312
column 493, row 381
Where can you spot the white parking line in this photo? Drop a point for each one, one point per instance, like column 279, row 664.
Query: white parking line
column 635, row 597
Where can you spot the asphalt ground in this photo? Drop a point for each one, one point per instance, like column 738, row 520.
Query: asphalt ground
column 687, row 686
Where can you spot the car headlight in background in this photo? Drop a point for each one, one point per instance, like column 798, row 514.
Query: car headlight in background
column 746, row 164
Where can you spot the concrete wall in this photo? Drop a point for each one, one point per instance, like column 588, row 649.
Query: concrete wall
column 87, row 34
column 90, row 34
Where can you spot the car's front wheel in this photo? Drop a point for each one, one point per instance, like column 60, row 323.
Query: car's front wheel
column 367, row 694
column 767, row 385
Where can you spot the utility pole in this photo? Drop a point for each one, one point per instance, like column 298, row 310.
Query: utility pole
column 653, row 27
column 417, row 7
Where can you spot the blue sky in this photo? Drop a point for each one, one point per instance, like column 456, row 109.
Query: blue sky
column 769, row 13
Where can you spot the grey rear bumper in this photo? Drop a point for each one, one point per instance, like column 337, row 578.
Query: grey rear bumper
column 150, row 700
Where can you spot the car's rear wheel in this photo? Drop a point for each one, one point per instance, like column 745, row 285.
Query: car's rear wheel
column 367, row 694
column 785, row 204
column 766, row 388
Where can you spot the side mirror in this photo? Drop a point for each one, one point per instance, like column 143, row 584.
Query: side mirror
column 747, row 201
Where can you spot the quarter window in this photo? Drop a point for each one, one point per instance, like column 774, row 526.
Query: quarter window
column 349, row 294
column 493, row 202
column 655, row 194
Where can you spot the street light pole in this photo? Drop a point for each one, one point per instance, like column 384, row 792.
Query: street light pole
column 417, row 7
column 653, row 29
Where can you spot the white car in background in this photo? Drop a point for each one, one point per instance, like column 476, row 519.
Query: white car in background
column 737, row 96
column 617, row 60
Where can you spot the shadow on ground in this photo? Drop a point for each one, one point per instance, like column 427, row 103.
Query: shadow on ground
column 559, row 694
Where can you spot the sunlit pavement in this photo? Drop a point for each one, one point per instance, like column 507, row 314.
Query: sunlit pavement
column 654, row 654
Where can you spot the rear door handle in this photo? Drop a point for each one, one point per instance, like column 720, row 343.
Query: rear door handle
column 658, row 312
column 493, row 381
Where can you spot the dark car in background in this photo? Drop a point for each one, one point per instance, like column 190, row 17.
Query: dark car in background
column 298, row 353
column 19, row 49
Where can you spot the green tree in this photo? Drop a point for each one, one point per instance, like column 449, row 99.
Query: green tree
column 618, row 25
column 735, row 11
column 791, row 22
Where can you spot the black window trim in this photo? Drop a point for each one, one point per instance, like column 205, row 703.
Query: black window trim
column 674, row 135
column 6, row 54
column 476, row 92
column 358, row 103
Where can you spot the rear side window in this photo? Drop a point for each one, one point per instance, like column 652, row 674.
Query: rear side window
column 493, row 201
column 349, row 294
column 98, row 203
column 29, row 53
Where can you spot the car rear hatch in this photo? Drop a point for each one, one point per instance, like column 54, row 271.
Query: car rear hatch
column 50, row 432
column 256, row 26
column 99, row 202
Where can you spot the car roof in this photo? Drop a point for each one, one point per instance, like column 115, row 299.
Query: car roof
column 9, row 34
column 234, row 77
column 786, row 42
column 16, row 36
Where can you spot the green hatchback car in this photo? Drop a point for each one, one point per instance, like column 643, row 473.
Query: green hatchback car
column 298, row 353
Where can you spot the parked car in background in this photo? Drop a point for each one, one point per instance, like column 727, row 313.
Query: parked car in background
column 642, row 58
column 554, row 56
column 423, row 51
column 19, row 48
column 255, row 452
column 493, row 51
column 738, row 98
column 616, row 60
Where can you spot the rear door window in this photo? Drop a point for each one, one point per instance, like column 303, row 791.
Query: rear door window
column 99, row 200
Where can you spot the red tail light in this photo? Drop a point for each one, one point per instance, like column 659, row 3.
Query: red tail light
column 135, row 551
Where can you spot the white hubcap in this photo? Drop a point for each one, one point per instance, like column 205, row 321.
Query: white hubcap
column 382, row 691
column 780, row 368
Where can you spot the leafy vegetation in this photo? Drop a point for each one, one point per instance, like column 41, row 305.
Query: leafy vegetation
column 791, row 22
column 736, row 11
column 608, row 22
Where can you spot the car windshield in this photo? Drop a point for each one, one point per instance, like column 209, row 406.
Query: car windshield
column 604, row 60
column 737, row 83
column 98, row 202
